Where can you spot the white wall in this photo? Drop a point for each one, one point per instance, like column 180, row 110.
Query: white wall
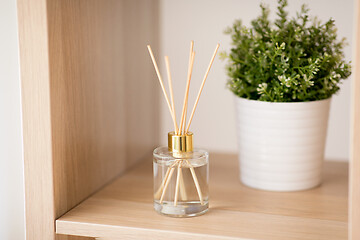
column 204, row 22
column 12, row 225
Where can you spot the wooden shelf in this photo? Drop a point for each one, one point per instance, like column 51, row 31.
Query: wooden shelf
column 124, row 209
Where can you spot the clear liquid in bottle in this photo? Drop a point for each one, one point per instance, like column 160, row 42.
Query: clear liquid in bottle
column 181, row 183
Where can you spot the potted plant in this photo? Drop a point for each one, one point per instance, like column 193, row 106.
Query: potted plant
column 283, row 74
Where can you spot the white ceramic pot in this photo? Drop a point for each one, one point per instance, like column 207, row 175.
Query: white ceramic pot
column 281, row 145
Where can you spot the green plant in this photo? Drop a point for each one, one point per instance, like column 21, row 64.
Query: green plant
column 288, row 60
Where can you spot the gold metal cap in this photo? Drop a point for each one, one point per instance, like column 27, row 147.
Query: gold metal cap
column 180, row 143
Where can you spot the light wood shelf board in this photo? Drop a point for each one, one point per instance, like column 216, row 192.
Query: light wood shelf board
column 354, row 198
column 81, row 120
column 124, row 209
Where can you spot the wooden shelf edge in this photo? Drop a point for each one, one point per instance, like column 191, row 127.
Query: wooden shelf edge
column 256, row 227
column 113, row 232
column 124, row 209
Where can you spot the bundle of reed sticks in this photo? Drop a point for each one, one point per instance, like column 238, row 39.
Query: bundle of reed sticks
column 182, row 128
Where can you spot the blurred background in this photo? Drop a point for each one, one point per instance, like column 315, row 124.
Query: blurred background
column 204, row 22
column 214, row 122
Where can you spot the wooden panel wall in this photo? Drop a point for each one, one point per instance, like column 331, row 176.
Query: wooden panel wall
column 354, row 197
column 34, row 55
column 90, row 99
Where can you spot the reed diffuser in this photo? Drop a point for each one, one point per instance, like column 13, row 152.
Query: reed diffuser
column 181, row 172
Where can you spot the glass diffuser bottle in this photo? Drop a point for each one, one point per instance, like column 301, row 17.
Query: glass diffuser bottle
column 181, row 176
column 181, row 173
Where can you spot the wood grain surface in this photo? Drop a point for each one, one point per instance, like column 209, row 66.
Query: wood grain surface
column 90, row 99
column 354, row 211
column 35, row 85
column 124, row 209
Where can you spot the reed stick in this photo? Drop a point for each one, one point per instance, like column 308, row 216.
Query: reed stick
column 162, row 85
column 184, row 122
column 187, row 92
column 189, row 65
column 190, row 68
column 197, row 185
column 167, row 63
column 159, row 191
column 168, row 177
column 165, row 179
column 182, row 129
column 182, row 187
column 177, row 183
column 167, row 184
column 201, row 87
column 183, row 194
